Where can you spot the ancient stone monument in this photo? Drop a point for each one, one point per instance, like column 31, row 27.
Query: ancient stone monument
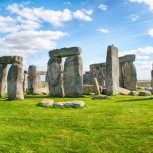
column 14, row 79
column 25, row 81
column 128, row 75
column 152, row 79
column 66, row 81
column 112, row 70
column 86, row 78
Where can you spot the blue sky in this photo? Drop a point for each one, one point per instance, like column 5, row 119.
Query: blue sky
column 32, row 28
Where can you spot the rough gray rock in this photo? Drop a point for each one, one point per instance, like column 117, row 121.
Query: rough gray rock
column 86, row 78
column 15, row 82
column 87, row 89
column 11, row 59
column 73, row 104
column 55, row 76
column 73, row 76
column 65, row 52
column 129, row 76
column 127, row 58
column 100, row 97
column 133, row 93
column 144, row 93
column 124, row 91
column 33, row 82
column 46, row 102
column 112, row 71
column 96, row 86
column 25, row 81
column 3, row 79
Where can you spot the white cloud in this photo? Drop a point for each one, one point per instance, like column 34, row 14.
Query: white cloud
column 81, row 16
column 134, row 18
column 139, row 57
column 67, row 3
column 56, row 18
column 87, row 12
column 150, row 32
column 148, row 2
column 103, row 7
column 103, row 30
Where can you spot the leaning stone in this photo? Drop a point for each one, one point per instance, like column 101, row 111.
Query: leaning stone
column 112, row 71
column 124, row 91
column 46, row 102
column 65, row 52
column 144, row 93
column 70, row 104
column 96, row 86
column 100, row 97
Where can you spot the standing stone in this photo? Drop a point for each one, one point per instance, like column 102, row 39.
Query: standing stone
column 112, row 71
column 130, row 76
column 32, row 79
column 55, row 76
column 96, row 86
column 121, row 77
column 152, row 79
column 73, row 76
column 25, row 81
column 15, row 82
column 3, row 79
column 86, row 78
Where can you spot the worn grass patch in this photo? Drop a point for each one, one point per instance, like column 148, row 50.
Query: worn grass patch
column 118, row 124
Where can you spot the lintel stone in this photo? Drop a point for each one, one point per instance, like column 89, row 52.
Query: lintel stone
column 92, row 66
column 65, row 52
column 11, row 59
column 41, row 72
column 127, row 58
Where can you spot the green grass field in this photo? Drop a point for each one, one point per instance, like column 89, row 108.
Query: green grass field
column 115, row 125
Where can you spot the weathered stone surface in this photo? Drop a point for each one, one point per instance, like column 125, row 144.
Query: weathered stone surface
column 15, row 82
column 121, row 72
column 65, row 52
column 97, row 65
column 112, row 71
column 55, row 76
column 127, row 58
column 96, row 86
column 25, row 81
column 73, row 76
column 86, row 78
column 3, row 79
column 46, row 102
column 129, row 76
column 144, row 93
column 33, row 80
column 152, row 78
column 11, row 59
column 41, row 72
column 124, row 91
column 73, row 104
column 87, row 89
column 100, row 97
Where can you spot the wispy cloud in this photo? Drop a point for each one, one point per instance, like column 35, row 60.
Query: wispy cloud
column 150, row 32
column 148, row 2
column 103, row 7
column 103, row 30
column 134, row 18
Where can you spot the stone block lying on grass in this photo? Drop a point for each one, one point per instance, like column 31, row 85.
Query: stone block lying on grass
column 144, row 93
column 124, row 91
column 46, row 102
column 100, row 97
column 70, row 104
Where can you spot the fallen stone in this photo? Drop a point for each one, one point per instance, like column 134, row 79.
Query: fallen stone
column 144, row 93
column 133, row 93
column 65, row 52
column 46, row 102
column 100, row 97
column 70, row 104
column 124, row 91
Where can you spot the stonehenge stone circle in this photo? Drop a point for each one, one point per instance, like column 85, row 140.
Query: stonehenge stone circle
column 68, row 82
column 128, row 75
column 14, row 79
column 112, row 70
